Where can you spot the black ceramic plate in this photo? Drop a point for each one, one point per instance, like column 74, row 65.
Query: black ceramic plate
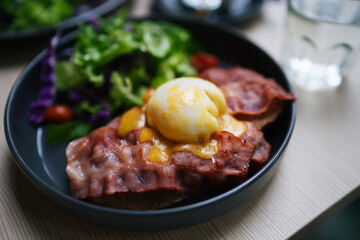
column 45, row 165
column 99, row 10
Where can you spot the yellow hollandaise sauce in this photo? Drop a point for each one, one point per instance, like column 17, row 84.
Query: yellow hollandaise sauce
column 162, row 148
column 131, row 120
column 181, row 116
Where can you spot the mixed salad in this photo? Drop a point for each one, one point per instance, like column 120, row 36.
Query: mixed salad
column 111, row 65
column 24, row 14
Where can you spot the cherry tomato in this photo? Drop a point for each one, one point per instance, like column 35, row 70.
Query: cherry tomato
column 58, row 114
column 202, row 61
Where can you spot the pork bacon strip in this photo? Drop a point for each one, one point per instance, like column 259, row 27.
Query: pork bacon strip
column 249, row 95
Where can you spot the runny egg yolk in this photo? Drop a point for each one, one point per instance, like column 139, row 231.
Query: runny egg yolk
column 187, row 106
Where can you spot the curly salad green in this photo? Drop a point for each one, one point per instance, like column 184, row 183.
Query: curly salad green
column 136, row 55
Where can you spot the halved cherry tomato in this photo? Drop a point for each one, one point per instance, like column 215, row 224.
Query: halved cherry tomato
column 202, row 61
column 58, row 114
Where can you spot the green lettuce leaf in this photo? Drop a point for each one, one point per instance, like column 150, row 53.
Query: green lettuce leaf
column 135, row 54
column 177, row 65
column 96, row 48
column 68, row 76
column 58, row 133
column 86, row 107
column 122, row 94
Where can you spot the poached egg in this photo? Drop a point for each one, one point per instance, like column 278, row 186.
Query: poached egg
column 186, row 109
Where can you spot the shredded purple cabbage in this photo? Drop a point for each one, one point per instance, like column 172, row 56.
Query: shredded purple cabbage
column 93, row 20
column 47, row 90
column 80, row 95
column 92, row 96
column 102, row 116
column 66, row 53
column 129, row 27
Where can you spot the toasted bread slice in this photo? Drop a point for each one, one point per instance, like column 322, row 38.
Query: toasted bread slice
column 139, row 201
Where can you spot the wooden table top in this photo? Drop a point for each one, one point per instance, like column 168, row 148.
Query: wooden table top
column 318, row 176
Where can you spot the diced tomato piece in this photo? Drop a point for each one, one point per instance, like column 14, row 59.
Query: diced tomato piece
column 202, row 61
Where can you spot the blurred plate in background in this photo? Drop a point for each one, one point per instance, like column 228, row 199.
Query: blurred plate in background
column 98, row 8
column 229, row 11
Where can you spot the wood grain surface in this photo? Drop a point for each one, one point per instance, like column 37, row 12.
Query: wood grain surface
column 318, row 175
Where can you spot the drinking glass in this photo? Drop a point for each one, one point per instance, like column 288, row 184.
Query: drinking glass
column 322, row 40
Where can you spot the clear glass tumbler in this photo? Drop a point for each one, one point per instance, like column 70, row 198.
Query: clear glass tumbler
column 322, row 39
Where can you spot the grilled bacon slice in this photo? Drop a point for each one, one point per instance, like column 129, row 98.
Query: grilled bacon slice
column 103, row 168
column 249, row 95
